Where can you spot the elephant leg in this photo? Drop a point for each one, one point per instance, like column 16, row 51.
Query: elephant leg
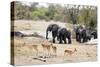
column 53, row 39
column 54, row 34
column 60, row 41
column 69, row 41
column 84, row 40
column 80, row 37
column 77, row 37
column 58, row 38
column 65, row 40
column 47, row 34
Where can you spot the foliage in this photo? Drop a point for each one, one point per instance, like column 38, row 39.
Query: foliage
column 75, row 14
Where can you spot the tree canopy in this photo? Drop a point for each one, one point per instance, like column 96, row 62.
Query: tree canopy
column 75, row 14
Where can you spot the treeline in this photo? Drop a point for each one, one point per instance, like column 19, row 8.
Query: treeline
column 75, row 14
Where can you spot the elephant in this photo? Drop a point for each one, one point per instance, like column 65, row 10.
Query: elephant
column 83, row 34
column 86, row 35
column 94, row 34
column 63, row 33
column 78, row 32
column 54, row 29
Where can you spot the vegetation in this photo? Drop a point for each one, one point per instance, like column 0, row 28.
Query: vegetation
column 75, row 14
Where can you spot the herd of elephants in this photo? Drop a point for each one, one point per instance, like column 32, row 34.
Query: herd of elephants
column 82, row 33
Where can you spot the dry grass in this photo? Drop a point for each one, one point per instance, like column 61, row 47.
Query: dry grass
column 73, row 52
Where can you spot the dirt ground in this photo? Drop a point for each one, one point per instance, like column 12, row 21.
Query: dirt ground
column 25, row 53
